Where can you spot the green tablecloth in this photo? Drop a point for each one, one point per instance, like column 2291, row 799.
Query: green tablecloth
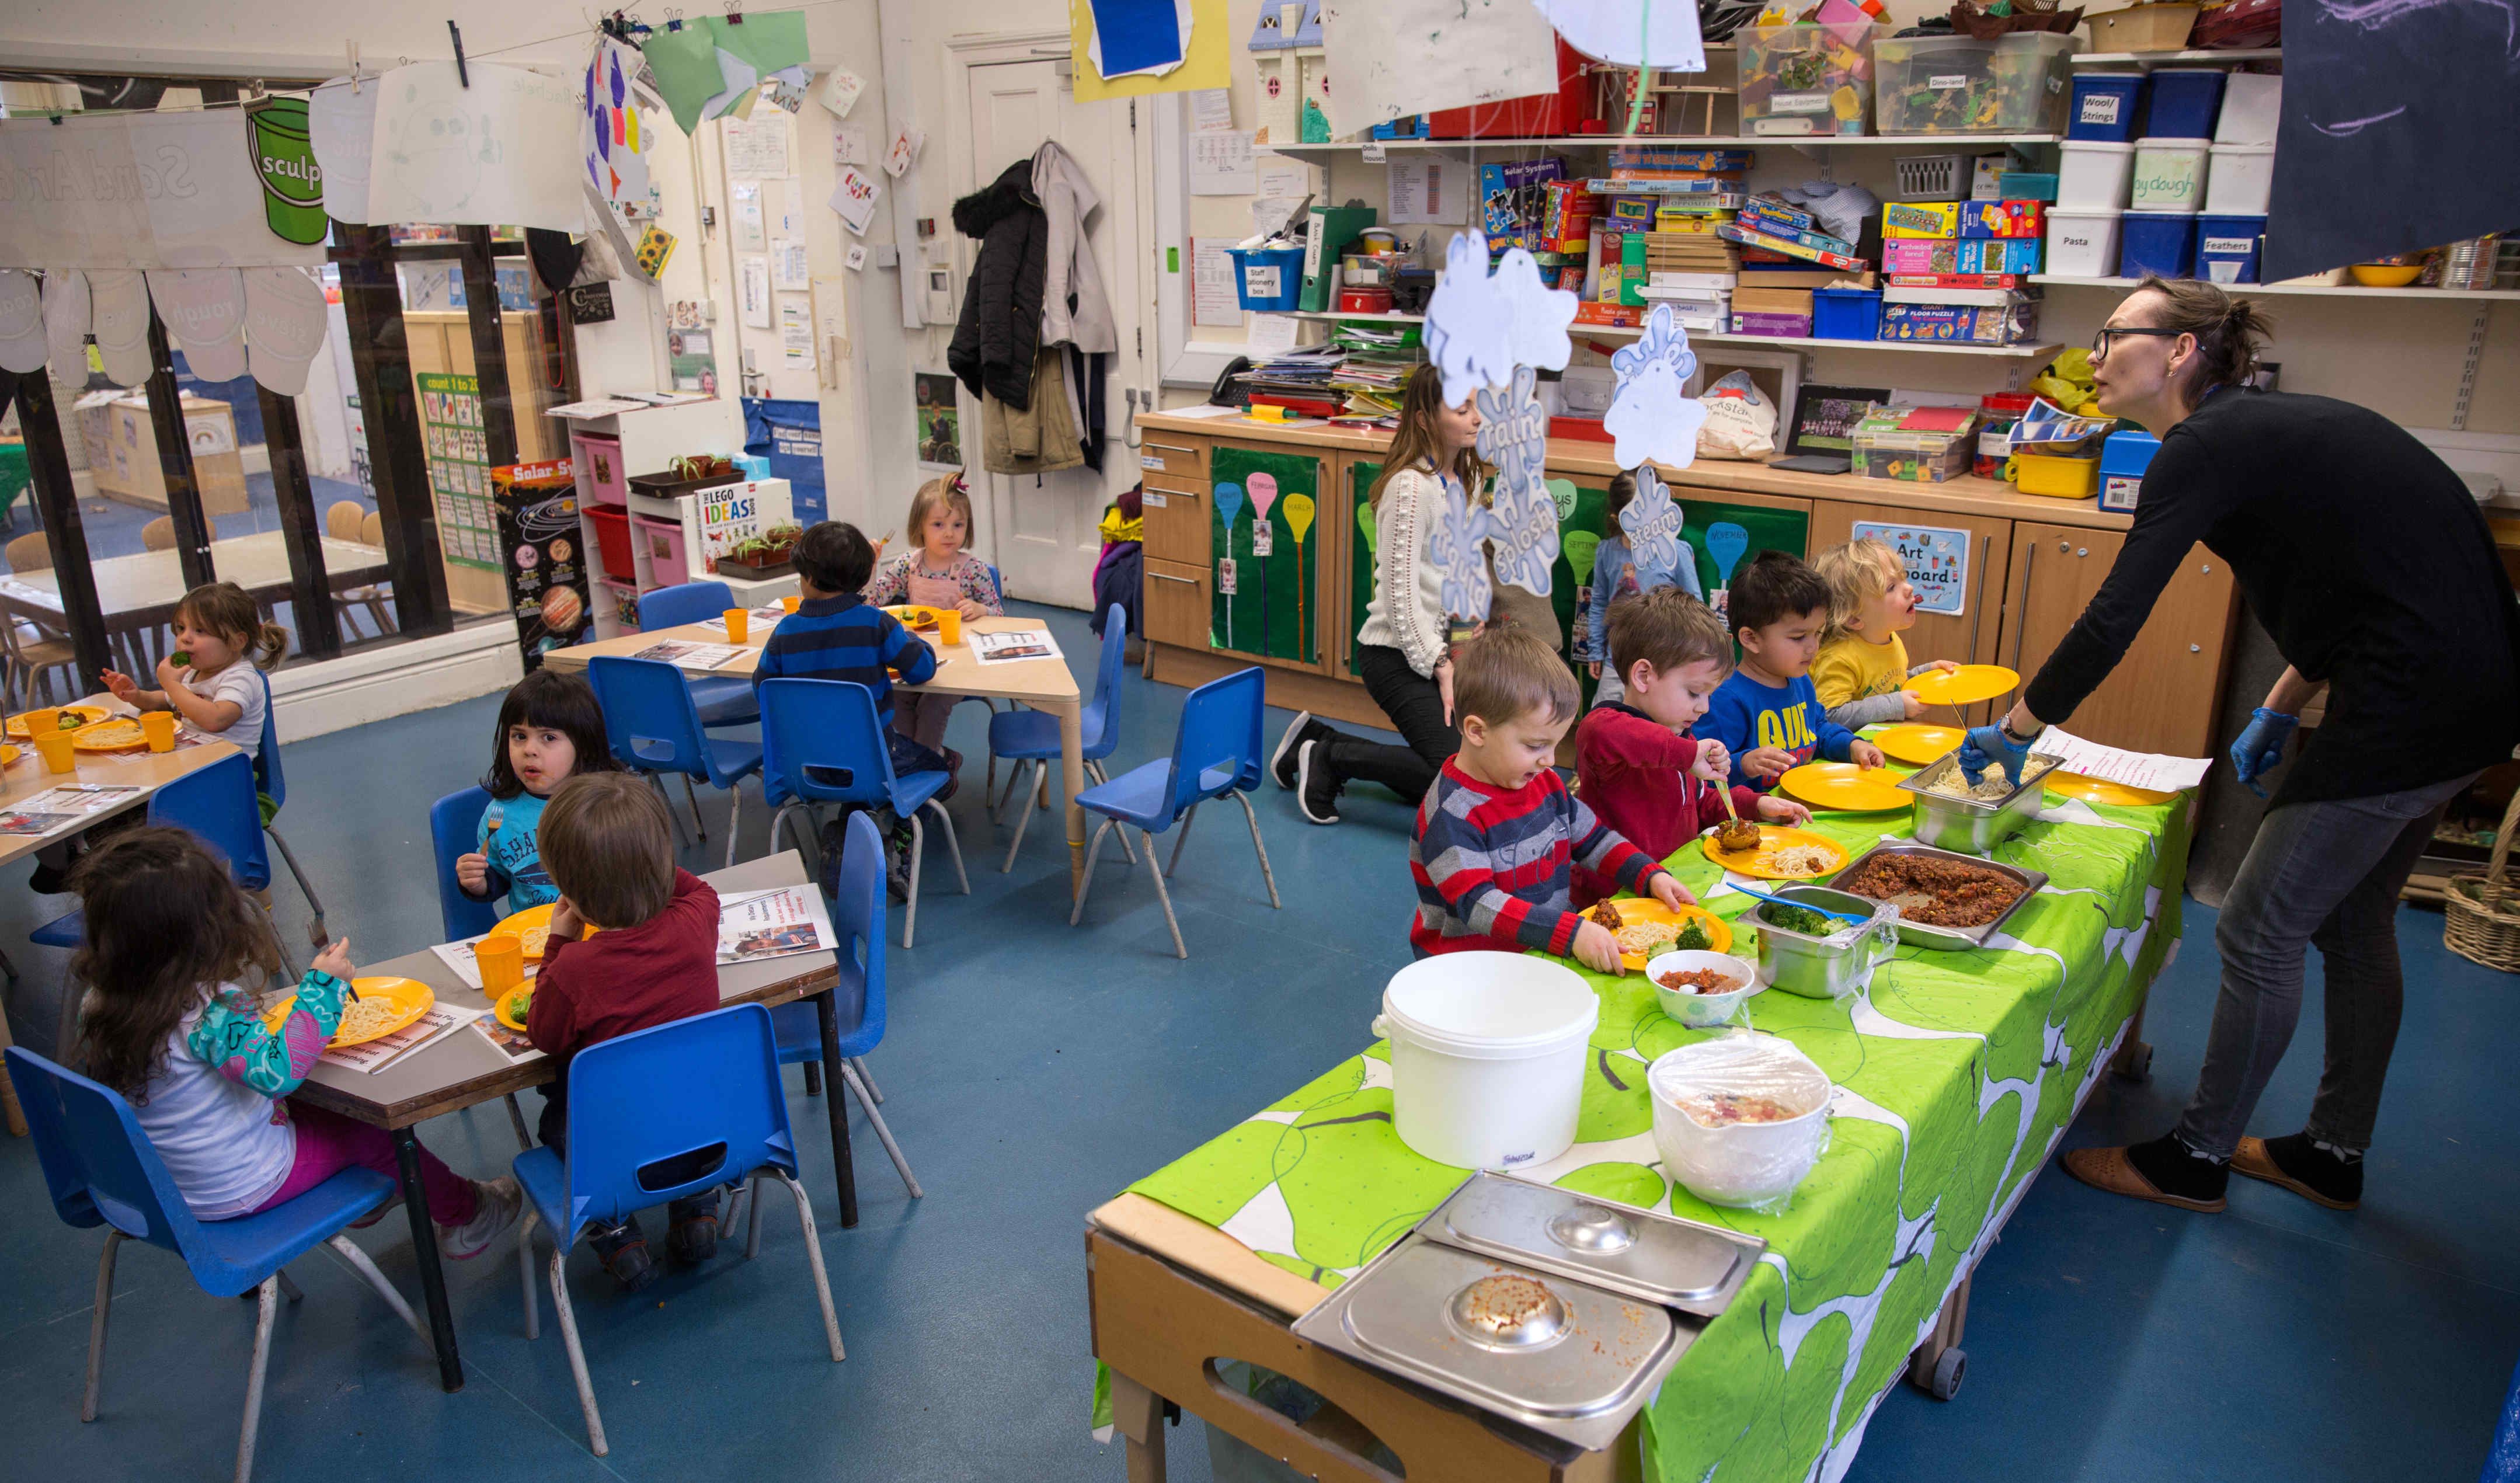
column 1956, row 1072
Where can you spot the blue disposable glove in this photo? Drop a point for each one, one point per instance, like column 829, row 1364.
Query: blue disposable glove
column 2261, row 746
column 1989, row 743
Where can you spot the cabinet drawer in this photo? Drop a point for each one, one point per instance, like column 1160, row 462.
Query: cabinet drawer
column 1178, row 527
column 1177, row 603
column 1174, row 454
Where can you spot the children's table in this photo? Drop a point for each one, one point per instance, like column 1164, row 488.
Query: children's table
column 145, row 771
column 464, row 1069
column 1040, row 684
column 1955, row 1075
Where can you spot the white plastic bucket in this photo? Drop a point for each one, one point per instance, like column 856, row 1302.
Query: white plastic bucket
column 2244, row 177
column 1487, row 1057
column 2251, row 103
column 2092, row 175
column 2170, row 174
column 2083, row 243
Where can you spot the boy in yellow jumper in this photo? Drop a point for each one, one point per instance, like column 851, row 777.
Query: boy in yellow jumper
column 1862, row 667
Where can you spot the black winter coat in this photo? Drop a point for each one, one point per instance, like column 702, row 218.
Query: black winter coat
column 1000, row 330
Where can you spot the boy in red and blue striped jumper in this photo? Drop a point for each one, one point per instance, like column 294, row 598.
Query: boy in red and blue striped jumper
column 1498, row 835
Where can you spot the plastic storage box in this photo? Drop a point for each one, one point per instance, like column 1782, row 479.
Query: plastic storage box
column 1922, row 458
column 2094, row 175
column 596, row 459
column 1846, row 314
column 662, row 540
column 2243, row 179
column 2083, row 243
column 1805, row 79
column 2169, row 174
column 2227, row 248
column 2015, row 84
column 1268, row 279
column 2156, row 242
column 2250, row 104
column 611, row 539
column 2063, row 479
column 2184, row 102
column 2028, row 185
column 2106, row 106
column 2124, row 457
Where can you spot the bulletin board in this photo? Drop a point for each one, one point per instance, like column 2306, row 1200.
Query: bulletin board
column 1266, row 544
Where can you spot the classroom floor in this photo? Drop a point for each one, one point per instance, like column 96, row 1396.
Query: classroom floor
column 1032, row 1070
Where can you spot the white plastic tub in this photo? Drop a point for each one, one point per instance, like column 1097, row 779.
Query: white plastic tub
column 2083, row 243
column 2244, row 177
column 1487, row 1057
column 2251, row 102
column 2093, row 176
column 1739, row 1164
column 2170, row 174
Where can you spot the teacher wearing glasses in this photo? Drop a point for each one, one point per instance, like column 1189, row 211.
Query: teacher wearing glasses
column 2365, row 558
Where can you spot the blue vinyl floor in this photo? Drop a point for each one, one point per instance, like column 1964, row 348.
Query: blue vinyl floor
column 1032, row 1070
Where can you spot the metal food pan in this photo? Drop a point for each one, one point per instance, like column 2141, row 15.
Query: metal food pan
column 1951, row 938
column 1969, row 824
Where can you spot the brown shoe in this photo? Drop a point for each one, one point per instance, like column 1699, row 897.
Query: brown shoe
column 2108, row 1169
column 2253, row 1161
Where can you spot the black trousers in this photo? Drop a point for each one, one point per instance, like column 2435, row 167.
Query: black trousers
column 1415, row 706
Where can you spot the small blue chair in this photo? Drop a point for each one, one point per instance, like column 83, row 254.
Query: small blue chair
column 1216, row 754
column 101, row 1170
column 1030, row 738
column 272, row 784
column 823, row 743
column 454, row 827
column 723, row 699
column 654, row 726
column 706, row 1083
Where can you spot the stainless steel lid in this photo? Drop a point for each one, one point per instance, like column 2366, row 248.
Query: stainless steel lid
column 1693, row 1267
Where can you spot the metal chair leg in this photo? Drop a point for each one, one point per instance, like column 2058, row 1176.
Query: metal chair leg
column 1015, row 785
column 1267, row 874
column 576, row 1353
column 867, row 1077
column 1128, row 852
column 814, row 1258
column 65, row 1032
column 918, row 855
column 694, row 798
column 657, row 781
column 1085, row 887
column 360, row 1262
column 953, row 844
column 96, row 1324
column 1187, row 818
column 1164, row 896
column 288, row 1288
column 866, row 1102
column 734, row 813
column 526, row 1270
column 752, row 1217
column 779, row 820
column 315, row 930
column 516, row 1120
column 813, row 1079
column 1023, row 819
column 266, row 1309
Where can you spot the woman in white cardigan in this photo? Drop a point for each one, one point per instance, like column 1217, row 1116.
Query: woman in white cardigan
column 1404, row 647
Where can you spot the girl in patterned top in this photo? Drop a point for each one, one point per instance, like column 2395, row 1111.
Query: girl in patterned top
column 170, row 1023
column 939, row 572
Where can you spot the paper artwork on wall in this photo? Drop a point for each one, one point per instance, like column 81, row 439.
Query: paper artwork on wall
column 753, row 287
column 1652, row 415
column 906, row 145
column 1651, row 523
column 66, row 307
column 341, row 126
column 284, row 326
column 1191, row 31
column 1480, row 325
column 1399, row 57
column 854, row 199
column 1630, row 32
column 838, row 91
column 22, row 321
column 118, row 318
column 613, row 137
column 500, row 151
column 203, row 309
column 1522, row 513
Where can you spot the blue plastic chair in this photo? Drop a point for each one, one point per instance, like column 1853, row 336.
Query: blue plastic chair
column 272, row 784
column 1216, row 754
column 654, row 726
column 1030, row 738
column 722, row 1069
column 723, row 699
column 857, row 915
column 821, row 743
column 101, row 1170
column 454, row 826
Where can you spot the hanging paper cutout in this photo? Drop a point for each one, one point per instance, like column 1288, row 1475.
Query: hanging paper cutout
column 118, row 317
column 1652, row 522
column 614, row 140
column 1460, row 549
column 284, row 326
column 1522, row 517
column 1632, row 32
column 1479, row 327
column 292, row 184
column 22, row 321
column 65, row 306
column 203, row 309
column 1652, row 415
column 341, row 128
column 1727, row 544
column 1135, row 37
column 1583, row 547
column 1263, row 489
column 497, row 152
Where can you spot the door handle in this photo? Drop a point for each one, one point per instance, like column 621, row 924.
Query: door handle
column 1171, row 447
column 2021, row 635
column 1166, row 576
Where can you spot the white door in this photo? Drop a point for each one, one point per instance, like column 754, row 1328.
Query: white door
column 1041, row 529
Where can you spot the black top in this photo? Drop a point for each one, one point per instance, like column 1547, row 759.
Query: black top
column 2369, row 562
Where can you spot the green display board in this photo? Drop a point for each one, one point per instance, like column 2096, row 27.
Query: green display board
column 1360, row 567
column 1263, row 602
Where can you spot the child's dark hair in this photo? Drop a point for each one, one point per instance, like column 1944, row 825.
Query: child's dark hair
column 1623, row 488
column 563, row 703
column 834, row 557
column 1776, row 586
column 230, row 611
column 165, row 927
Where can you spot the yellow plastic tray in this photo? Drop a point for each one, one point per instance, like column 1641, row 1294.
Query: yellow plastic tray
column 22, row 728
column 120, row 734
column 533, row 924
column 408, row 999
column 2103, row 790
column 1719, row 932
column 2061, row 479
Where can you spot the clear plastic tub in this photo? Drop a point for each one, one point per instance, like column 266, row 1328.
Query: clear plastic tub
column 2015, row 84
column 1806, row 79
column 2170, row 174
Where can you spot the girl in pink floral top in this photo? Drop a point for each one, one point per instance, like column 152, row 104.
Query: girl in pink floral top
column 940, row 571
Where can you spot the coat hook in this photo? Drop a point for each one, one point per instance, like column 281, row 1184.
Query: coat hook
column 461, row 74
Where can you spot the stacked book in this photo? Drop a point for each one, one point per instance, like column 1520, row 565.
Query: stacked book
column 1381, row 358
column 1298, row 380
column 1654, row 233
column 1959, row 270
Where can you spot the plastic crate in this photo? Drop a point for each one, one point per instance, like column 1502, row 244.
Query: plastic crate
column 1804, row 79
column 1268, row 280
column 596, row 459
column 2106, row 106
column 2014, row 84
column 1933, row 177
column 1846, row 314
column 662, row 540
column 2062, row 479
column 612, row 539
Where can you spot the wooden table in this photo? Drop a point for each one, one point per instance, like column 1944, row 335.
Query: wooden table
column 464, row 1070
column 1042, row 683
column 146, row 771
column 138, row 593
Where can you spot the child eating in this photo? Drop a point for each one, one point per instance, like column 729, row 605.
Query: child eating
column 551, row 729
column 1862, row 665
column 610, row 847
column 1768, row 715
column 1498, row 835
column 941, row 572
column 1636, row 766
column 211, row 680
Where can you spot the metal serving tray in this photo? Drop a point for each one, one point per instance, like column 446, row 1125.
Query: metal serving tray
column 1828, row 965
column 1681, row 1264
column 1944, row 937
column 1968, row 824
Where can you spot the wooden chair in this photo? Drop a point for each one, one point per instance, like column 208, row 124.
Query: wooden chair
column 30, row 552
column 30, row 651
column 369, row 530
column 341, row 522
column 158, row 534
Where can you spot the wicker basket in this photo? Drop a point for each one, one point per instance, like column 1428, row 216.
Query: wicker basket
column 2481, row 914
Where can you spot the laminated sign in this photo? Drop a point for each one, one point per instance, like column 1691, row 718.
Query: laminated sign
column 293, row 183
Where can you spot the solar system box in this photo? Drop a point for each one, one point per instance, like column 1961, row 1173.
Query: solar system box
column 543, row 552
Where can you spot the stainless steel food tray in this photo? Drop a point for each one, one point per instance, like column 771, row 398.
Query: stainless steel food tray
column 1972, row 826
column 1681, row 1264
column 1951, row 938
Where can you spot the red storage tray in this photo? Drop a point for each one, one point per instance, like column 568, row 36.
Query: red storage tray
column 612, row 539
column 1567, row 111
column 1587, row 428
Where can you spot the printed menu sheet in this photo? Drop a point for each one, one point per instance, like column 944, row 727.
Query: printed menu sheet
column 773, row 923
column 1008, row 647
column 2147, row 770
column 60, row 807
column 439, row 1021
column 688, row 655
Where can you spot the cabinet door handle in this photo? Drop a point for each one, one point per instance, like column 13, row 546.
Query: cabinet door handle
column 2021, row 635
column 1171, row 447
column 1166, row 576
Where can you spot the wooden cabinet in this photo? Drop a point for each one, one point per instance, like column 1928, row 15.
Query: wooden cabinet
column 2163, row 696
column 1178, row 527
column 1177, row 603
column 1972, row 636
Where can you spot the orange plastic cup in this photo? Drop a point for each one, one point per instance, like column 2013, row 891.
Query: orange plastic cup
column 501, row 960
column 39, row 722
column 158, row 726
column 789, row 603
column 949, row 626
column 57, row 747
column 738, row 624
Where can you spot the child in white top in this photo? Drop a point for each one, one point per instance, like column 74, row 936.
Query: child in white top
column 211, row 680
column 939, row 572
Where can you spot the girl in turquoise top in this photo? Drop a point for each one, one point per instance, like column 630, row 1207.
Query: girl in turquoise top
column 550, row 730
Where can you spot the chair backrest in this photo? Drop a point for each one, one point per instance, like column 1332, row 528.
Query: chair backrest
column 454, row 826
column 1218, row 745
column 30, row 552
column 98, row 1166
column 690, row 602
column 997, row 583
column 372, row 530
column 217, row 803
column 1097, row 725
column 649, row 717
column 266, row 757
column 342, row 518
column 821, row 741
column 718, row 1074
column 858, row 918
column 158, row 534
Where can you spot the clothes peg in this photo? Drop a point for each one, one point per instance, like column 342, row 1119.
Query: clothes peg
column 461, row 74
column 351, row 48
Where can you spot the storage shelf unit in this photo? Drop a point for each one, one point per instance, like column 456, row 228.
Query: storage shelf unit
column 1699, row 337
column 1327, row 152
column 2332, row 290
column 2150, row 60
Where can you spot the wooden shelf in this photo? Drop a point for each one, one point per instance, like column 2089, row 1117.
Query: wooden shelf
column 2334, row 291
column 1347, row 147
column 1699, row 337
column 2150, row 60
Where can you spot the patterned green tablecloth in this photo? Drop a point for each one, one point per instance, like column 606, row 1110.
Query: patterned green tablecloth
column 1956, row 1073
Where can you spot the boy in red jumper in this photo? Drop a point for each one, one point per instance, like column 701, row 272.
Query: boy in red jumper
column 609, row 848
column 1635, row 762
column 1498, row 835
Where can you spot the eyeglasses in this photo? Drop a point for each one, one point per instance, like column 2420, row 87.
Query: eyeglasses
column 2102, row 340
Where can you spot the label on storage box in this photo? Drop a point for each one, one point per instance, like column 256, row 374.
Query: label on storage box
column 1261, row 282
column 1151, row 461
column 2228, row 246
column 1152, row 499
column 1946, row 82
column 1798, row 102
column 2100, row 108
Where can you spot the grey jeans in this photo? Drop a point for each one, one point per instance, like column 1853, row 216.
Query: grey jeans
column 2326, row 873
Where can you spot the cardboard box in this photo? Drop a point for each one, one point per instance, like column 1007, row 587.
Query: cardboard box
column 1976, row 255
column 1959, row 323
column 1910, row 220
column 2003, row 218
column 1796, row 301
column 1780, row 326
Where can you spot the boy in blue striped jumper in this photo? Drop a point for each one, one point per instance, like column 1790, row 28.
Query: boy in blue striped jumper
column 1498, row 835
column 834, row 633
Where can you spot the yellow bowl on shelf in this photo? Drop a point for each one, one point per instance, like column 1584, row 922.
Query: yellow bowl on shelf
column 2386, row 275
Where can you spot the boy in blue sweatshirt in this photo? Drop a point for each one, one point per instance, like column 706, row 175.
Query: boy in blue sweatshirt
column 1768, row 714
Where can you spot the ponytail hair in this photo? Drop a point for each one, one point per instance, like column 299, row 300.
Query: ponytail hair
column 230, row 611
column 2229, row 333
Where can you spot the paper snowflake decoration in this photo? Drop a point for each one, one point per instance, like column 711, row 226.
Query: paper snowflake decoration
column 1479, row 327
column 1653, row 418
column 1460, row 549
column 1522, row 514
column 1652, row 522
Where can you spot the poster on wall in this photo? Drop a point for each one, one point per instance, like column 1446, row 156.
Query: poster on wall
column 689, row 352
column 796, row 332
column 1157, row 46
column 1937, row 560
column 543, row 555
column 940, row 423
column 458, row 452
column 1266, row 562
column 754, row 288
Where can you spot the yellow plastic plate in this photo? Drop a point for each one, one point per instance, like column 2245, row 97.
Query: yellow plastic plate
column 407, row 998
column 1762, row 862
column 2103, row 790
column 915, row 619
column 1633, row 909
column 1845, row 785
column 1918, row 742
column 511, row 1009
column 1965, row 686
column 21, row 726
column 120, row 734
column 9, row 754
